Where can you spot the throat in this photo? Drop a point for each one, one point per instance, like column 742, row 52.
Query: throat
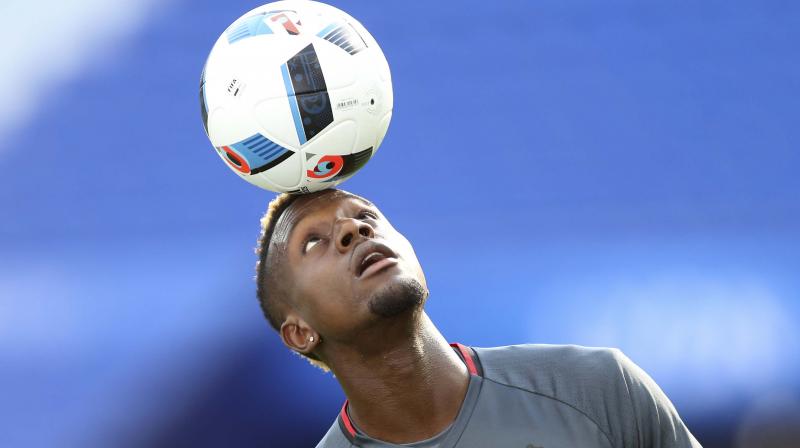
column 412, row 391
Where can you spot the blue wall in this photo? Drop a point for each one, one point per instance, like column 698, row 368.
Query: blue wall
column 614, row 173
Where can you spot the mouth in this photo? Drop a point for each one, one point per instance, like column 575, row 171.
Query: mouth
column 370, row 257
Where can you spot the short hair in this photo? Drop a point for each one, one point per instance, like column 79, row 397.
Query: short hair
column 271, row 295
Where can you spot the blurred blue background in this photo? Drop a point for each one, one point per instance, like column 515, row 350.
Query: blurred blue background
column 614, row 173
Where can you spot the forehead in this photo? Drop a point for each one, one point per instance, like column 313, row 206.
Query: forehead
column 307, row 205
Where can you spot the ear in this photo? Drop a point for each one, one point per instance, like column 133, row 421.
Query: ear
column 298, row 335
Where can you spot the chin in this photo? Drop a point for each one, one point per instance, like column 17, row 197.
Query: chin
column 397, row 297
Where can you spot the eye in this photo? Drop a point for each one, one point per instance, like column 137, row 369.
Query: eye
column 310, row 243
column 367, row 214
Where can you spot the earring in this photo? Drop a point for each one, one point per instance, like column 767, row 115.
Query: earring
column 311, row 339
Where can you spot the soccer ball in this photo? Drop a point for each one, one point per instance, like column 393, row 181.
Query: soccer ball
column 296, row 96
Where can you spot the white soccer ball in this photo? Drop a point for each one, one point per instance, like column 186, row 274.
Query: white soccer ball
column 296, row 96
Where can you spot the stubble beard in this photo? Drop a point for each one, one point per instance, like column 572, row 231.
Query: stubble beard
column 398, row 298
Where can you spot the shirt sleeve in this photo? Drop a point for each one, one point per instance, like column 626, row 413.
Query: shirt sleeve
column 657, row 422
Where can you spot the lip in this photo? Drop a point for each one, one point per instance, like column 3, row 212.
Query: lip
column 378, row 266
column 385, row 257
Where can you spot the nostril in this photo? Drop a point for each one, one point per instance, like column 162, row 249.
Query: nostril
column 363, row 231
column 347, row 239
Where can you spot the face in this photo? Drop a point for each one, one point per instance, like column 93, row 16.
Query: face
column 347, row 267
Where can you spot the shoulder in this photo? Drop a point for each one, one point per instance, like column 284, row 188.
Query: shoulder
column 543, row 368
column 334, row 438
column 589, row 379
column 601, row 382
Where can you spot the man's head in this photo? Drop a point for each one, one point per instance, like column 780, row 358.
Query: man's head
column 332, row 266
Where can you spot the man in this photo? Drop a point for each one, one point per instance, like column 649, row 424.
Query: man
column 343, row 288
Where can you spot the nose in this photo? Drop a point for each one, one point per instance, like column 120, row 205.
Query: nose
column 349, row 231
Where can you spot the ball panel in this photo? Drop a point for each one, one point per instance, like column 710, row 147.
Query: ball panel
column 251, row 26
column 323, row 171
column 203, row 102
column 254, row 154
column 383, row 128
column 308, row 93
column 249, row 69
column 275, row 114
column 344, row 36
column 287, row 174
column 337, row 140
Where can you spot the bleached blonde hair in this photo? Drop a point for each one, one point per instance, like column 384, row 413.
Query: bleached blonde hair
column 271, row 295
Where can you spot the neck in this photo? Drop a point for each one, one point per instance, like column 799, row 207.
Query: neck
column 404, row 385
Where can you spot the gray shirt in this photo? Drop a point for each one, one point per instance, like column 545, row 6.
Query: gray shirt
column 547, row 396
